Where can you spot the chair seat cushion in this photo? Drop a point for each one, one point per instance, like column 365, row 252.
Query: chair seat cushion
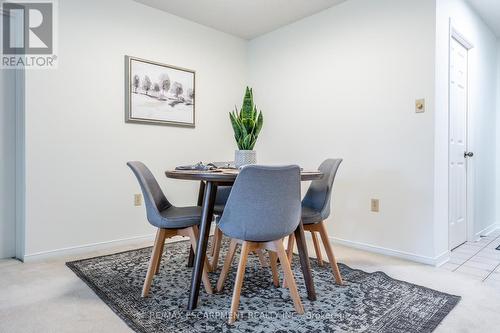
column 310, row 216
column 180, row 217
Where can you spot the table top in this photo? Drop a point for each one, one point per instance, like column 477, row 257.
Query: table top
column 227, row 175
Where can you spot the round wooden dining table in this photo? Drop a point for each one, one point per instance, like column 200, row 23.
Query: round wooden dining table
column 209, row 180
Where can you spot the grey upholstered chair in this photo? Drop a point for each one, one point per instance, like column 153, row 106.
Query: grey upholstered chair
column 221, row 199
column 315, row 210
column 263, row 208
column 170, row 221
column 220, row 203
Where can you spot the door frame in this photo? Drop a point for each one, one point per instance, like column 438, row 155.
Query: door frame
column 20, row 153
column 455, row 33
column 20, row 157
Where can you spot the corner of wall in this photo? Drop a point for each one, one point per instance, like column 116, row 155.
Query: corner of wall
column 20, row 182
column 441, row 131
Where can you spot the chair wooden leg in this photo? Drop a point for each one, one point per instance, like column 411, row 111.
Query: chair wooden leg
column 211, row 247
column 273, row 258
column 262, row 258
column 216, row 249
column 238, row 283
column 329, row 252
column 155, row 258
column 317, row 248
column 287, row 270
column 193, row 237
column 227, row 265
column 157, row 270
column 289, row 254
column 289, row 248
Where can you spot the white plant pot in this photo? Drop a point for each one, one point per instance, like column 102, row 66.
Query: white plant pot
column 244, row 157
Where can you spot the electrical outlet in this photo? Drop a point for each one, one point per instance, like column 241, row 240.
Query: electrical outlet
column 137, row 200
column 375, row 205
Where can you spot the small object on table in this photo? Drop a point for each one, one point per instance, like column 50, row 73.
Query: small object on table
column 198, row 166
column 223, row 165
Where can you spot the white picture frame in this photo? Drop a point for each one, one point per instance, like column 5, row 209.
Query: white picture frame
column 159, row 94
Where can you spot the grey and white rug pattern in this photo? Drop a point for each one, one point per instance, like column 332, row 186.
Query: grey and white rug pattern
column 368, row 302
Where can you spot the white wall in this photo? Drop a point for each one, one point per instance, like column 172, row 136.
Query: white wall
column 343, row 83
column 7, row 165
column 482, row 104
column 79, row 190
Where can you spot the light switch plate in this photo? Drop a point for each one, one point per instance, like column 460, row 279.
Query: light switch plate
column 420, row 105
column 375, row 205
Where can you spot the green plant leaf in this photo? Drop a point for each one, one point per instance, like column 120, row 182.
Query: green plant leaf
column 258, row 125
column 241, row 144
column 247, row 141
column 252, row 143
column 254, row 113
column 249, row 124
column 236, row 126
column 244, row 131
column 247, row 107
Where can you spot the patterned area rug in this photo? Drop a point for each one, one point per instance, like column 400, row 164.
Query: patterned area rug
column 368, row 302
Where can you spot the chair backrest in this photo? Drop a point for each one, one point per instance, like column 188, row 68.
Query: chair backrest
column 318, row 196
column 222, row 195
column 154, row 198
column 264, row 203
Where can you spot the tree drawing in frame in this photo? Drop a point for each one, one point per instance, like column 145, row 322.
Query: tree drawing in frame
column 159, row 94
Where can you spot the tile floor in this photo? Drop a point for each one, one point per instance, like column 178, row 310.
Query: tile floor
column 479, row 260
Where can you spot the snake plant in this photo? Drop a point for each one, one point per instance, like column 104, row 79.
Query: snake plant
column 247, row 122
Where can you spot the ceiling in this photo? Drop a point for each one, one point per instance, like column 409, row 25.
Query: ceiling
column 489, row 10
column 243, row 18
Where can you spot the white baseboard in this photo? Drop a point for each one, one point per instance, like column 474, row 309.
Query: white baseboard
column 488, row 230
column 436, row 261
column 87, row 248
column 443, row 258
column 82, row 249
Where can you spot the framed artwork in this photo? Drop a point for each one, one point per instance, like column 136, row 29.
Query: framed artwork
column 158, row 94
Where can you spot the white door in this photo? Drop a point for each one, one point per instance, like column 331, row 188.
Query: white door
column 458, row 144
